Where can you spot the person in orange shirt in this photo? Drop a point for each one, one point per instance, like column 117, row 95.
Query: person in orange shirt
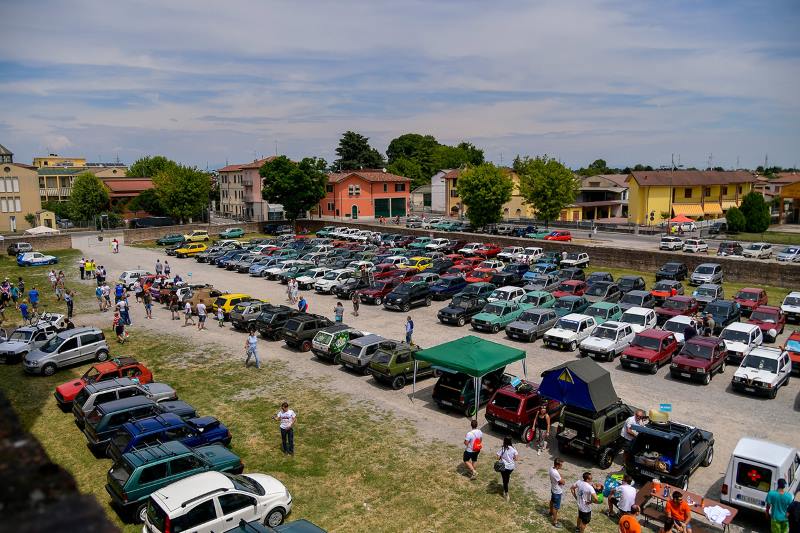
column 679, row 511
column 628, row 523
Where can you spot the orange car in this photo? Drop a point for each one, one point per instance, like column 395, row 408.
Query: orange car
column 480, row 274
column 665, row 288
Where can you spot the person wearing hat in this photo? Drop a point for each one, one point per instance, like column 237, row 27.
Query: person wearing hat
column 778, row 502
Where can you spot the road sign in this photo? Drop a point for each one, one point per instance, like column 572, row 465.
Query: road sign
column 665, row 407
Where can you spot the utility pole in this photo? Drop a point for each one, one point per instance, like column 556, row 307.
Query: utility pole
column 276, row 148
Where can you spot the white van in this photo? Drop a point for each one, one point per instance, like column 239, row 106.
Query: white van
column 129, row 277
column 755, row 468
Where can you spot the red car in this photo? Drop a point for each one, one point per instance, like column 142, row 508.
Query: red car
column 513, row 411
column 558, row 236
column 665, row 288
column 699, row 359
column 650, row 349
column 793, row 347
column 122, row 367
column 572, row 287
column 472, row 261
column 488, row 250
column 455, row 258
column 459, row 270
column 749, row 298
column 404, row 241
column 403, row 274
column 378, row 291
column 676, row 305
column 384, row 270
column 768, row 318
column 480, row 274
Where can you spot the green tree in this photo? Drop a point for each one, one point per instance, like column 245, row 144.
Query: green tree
column 547, row 185
column 61, row 209
column 147, row 201
column 756, row 212
column 30, row 218
column 410, row 169
column 413, row 147
column 182, row 191
column 297, row 186
column 149, row 166
column 598, row 166
column 735, row 219
column 484, row 189
column 89, row 197
column 355, row 153
column 456, row 156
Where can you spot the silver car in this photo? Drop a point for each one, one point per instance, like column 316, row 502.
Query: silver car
column 789, row 253
column 23, row 340
column 94, row 394
column 67, row 348
column 532, row 324
column 706, row 273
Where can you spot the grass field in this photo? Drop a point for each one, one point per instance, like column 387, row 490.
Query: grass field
column 775, row 237
column 356, row 468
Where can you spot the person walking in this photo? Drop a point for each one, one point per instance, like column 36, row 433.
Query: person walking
column 118, row 290
column 187, row 314
column 338, row 312
column 473, row 443
column 174, row 307
column 69, row 299
column 148, row 304
column 356, row 303
column 622, row 498
column 23, row 311
column 106, row 297
column 119, row 327
column 137, row 290
column 295, row 291
column 124, row 310
column 220, row 316
column 507, row 454
column 167, row 268
column 409, row 330
column 33, row 298
column 251, row 348
column 583, row 491
column 14, row 294
column 778, row 502
column 82, row 267
column 287, row 418
column 201, row 315
column 52, row 277
column 629, row 522
column 556, row 491
column 541, row 429
column 289, row 291
column 159, row 267
column 303, row 305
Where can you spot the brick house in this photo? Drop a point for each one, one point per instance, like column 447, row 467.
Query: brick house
column 369, row 193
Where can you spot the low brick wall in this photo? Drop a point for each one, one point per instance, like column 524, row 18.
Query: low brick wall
column 601, row 255
column 60, row 241
column 149, row 234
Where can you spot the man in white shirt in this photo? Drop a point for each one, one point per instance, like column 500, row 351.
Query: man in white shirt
column 628, row 433
column 585, row 493
column 623, row 497
column 201, row 315
column 287, row 418
column 187, row 314
column 556, row 490
column 473, row 443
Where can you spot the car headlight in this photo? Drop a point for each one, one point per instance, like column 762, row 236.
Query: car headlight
column 32, row 363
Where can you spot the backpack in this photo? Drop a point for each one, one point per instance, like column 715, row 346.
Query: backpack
column 477, row 445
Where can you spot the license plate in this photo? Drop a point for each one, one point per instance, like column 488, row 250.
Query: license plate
column 686, row 374
column 749, row 389
column 633, row 365
column 748, row 499
column 649, row 474
column 449, row 404
column 513, row 335
column 501, row 424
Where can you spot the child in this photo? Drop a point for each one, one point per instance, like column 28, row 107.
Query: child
column 220, row 317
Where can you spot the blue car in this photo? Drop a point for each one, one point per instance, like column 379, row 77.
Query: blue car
column 447, row 287
column 36, row 259
column 144, row 432
column 539, row 269
column 257, row 269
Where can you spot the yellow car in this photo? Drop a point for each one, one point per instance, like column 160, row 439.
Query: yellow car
column 228, row 301
column 190, row 249
column 420, row 263
column 198, row 235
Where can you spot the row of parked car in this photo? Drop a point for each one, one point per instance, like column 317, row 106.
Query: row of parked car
column 754, row 250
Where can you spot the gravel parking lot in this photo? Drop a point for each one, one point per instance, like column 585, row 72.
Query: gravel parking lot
column 714, row 407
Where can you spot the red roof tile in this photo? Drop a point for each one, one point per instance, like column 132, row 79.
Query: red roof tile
column 127, row 186
column 372, row 175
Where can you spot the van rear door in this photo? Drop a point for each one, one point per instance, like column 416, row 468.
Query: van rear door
column 751, row 481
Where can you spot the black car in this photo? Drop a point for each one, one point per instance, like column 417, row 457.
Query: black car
column 594, row 277
column 272, row 319
column 173, row 250
column 345, row 290
column 724, row 312
column 510, row 275
column 717, row 228
column 440, row 266
column 631, row 283
column 407, row 295
column 566, row 274
column 672, row 270
column 461, row 309
column 299, row 330
column 669, row 451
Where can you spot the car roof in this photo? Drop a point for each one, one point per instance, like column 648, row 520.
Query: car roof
column 77, row 331
column 571, row 298
column 507, row 288
column 175, row 494
column 577, row 317
column 572, row 282
column 768, row 308
column 655, row 333
column 683, row 319
column 741, row 326
column 750, row 289
column 639, row 293
column 708, row 265
column 368, row 340
column 763, row 450
column 510, row 390
column 154, row 423
column 107, row 384
column 639, row 310
column 604, row 305
column 125, row 403
column 680, row 298
column 705, row 341
column 613, row 324
column 769, row 353
column 710, row 286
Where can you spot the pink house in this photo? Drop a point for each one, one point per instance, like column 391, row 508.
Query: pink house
column 240, row 191
column 366, row 193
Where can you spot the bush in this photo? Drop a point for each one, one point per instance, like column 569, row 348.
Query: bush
column 756, row 212
column 736, row 220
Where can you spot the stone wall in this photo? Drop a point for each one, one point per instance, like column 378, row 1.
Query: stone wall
column 736, row 269
column 149, row 234
column 59, row 241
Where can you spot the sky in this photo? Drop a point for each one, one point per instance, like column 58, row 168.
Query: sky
column 206, row 83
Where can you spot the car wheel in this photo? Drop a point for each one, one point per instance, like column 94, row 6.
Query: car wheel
column 527, row 434
column 606, row 458
column 707, row 378
column 773, row 393
column 654, row 369
column 709, row 457
column 102, row 355
column 406, row 308
column 461, row 321
column 378, row 300
column 49, row 369
column 573, row 346
column 399, row 382
column 275, row 517
column 141, row 513
column 428, row 301
column 495, row 328
column 306, row 346
column 366, row 370
column 470, row 411
column 683, row 483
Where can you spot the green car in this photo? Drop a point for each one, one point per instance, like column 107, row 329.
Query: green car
column 232, row 233
column 538, row 235
column 571, row 304
column 328, row 343
column 497, row 315
column 419, row 243
column 539, row 299
column 604, row 311
column 170, row 238
column 325, row 232
column 481, row 289
column 140, row 473
column 395, row 365
column 452, row 226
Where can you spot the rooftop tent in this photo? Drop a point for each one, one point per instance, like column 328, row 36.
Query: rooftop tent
column 583, row 384
column 470, row 355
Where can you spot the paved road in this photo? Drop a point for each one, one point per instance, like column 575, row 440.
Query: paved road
column 714, row 407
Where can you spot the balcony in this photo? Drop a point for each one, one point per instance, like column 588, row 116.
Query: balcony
column 247, row 183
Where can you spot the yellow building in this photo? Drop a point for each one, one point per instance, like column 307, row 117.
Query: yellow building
column 55, row 160
column 514, row 208
column 19, row 196
column 656, row 195
column 56, row 183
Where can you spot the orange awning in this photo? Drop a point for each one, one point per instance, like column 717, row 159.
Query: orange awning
column 688, row 210
column 712, row 208
column 727, row 204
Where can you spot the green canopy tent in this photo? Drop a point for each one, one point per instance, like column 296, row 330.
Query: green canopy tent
column 470, row 355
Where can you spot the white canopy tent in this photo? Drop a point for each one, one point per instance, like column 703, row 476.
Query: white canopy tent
column 41, row 230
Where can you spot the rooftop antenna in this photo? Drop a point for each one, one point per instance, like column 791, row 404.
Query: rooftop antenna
column 276, row 148
column 737, row 162
column 501, row 159
column 673, row 161
column 766, row 161
column 710, row 161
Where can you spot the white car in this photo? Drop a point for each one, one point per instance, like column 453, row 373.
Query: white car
column 695, row 245
column 763, row 371
column 369, row 266
column 506, row 294
column 759, row 250
column 279, row 268
column 791, row 306
column 399, row 260
column 575, row 260
column 569, row 331
column 426, row 224
column 332, row 279
column 311, row 277
column 129, row 277
column 740, row 339
column 531, row 254
column 607, row 341
column 640, row 318
column 36, row 259
column 470, row 248
column 670, row 243
column 511, row 253
column 492, row 263
column 437, row 244
column 213, row 501
column 678, row 324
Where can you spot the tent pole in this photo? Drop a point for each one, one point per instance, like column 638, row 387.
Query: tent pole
column 477, row 395
column 524, row 369
column 414, row 382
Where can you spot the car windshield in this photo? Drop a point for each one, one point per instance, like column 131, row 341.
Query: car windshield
column 121, row 439
column 605, row 333
column 120, row 472
column 760, row 363
column 635, row 299
column 791, row 300
column 330, row 275
column 91, row 375
column 597, row 290
column 82, row 396
column 675, row 304
column 323, row 338
column 509, row 250
column 493, row 309
column 632, row 318
column 566, row 287
column 500, row 295
column 597, row 312
column 716, row 310
column 403, row 288
column 706, row 291
column 482, row 274
column 764, row 316
column 52, row 345
column 735, row 335
column 701, row 351
column 674, row 326
column 670, row 267
column 627, row 282
column 352, row 349
column 646, row 342
column 746, row 295
column 662, row 286
column 533, row 318
column 20, row 335
column 565, row 304
column 569, row 325
column 705, row 270
column 380, row 285
column 293, row 325
column 511, row 267
column 382, row 357
column 245, row 484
